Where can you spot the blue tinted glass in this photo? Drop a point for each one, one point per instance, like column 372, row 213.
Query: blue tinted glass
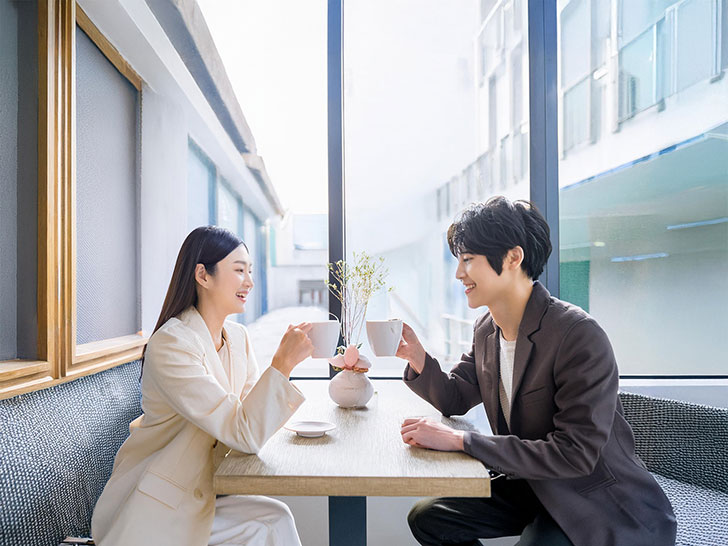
column 636, row 75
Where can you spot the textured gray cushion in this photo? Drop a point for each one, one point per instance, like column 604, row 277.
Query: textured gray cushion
column 702, row 514
column 57, row 447
column 683, row 441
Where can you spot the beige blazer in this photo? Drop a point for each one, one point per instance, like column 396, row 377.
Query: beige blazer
column 160, row 490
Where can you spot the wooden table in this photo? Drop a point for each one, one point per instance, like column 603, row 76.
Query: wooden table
column 364, row 456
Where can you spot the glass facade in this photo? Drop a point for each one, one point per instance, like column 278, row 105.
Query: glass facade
column 282, row 91
column 450, row 128
column 644, row 208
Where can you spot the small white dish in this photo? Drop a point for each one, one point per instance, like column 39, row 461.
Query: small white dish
column 310, row 429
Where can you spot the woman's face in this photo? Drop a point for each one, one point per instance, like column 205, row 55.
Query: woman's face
column 227, row 290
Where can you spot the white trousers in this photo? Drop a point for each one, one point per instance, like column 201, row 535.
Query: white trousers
column 254, row 521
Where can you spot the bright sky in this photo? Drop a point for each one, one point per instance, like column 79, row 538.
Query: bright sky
column 409, row 94
column 274, row 52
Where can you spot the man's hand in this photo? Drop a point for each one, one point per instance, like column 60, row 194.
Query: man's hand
column 411, row 349
column 431, row 434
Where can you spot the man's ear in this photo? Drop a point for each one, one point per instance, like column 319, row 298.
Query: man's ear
column 514, row 258
column 201, row 275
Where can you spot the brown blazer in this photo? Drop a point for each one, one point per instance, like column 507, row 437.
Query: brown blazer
column 568, row 437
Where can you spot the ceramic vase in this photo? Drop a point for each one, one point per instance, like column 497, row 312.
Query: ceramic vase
column 351, row 389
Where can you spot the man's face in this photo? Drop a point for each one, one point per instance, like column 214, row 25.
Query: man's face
column 482, row 284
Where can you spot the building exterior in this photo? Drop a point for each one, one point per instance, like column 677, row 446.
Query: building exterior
column 643, row 175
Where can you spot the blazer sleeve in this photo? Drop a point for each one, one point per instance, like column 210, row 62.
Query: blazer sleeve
column 586, row 379
column 175, row 367
column 452, row 394
column 252, row 371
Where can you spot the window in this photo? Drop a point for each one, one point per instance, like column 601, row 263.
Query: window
column 696, row 44
column 107, row 252
column 679, row 45
column 635, row 17
column 310, row 232
column 18, row 180
column 575, row 35
column 576, row 106
column 585, row 27
column 252, row 235
column 48, row 240
column 289, row 261
column 644, row 211
column 394, row 186
column 201, row 184
column 637, row 75
column 229, row 208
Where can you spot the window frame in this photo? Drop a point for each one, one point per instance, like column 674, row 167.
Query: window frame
column 60, row 358
column 671, row 18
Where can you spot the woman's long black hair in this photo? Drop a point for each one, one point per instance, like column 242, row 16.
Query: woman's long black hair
column 205, row 245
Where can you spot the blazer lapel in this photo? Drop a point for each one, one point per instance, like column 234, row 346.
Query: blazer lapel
column 490, row 363
column 530, row 323
column 520, row 361
column 194, row 320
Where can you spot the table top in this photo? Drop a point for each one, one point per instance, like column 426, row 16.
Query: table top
column 363, row 456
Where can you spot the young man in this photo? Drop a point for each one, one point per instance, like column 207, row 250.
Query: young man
column 547, row 377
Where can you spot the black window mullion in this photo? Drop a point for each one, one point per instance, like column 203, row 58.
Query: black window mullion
column 335, row 83
column 543, row 144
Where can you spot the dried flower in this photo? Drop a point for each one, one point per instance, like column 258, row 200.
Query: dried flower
column 353, row 286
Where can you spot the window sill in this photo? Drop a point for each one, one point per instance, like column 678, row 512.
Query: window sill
column 100, row 355
column 24, row 376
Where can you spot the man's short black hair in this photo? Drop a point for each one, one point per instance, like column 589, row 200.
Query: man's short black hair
column 492, row 228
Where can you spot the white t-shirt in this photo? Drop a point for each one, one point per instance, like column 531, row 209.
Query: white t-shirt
column 507, row 354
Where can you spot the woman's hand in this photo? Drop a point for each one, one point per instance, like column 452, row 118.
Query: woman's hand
column 420, row 432
column 295, row 346
column 411, row 349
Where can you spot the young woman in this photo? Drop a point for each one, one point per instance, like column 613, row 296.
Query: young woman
column 201, row 396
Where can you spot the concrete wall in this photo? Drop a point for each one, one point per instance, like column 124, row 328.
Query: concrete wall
column 163, row 176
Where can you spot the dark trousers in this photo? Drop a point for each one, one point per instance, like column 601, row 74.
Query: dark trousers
column 512, row 509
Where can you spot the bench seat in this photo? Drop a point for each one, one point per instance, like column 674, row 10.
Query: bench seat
column 702, row 513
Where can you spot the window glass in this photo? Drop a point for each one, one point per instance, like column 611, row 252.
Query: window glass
column 635, row 17
column 251, row 236
column 18, row 179
column 201, row 179
column 644, row 209
column 600, row 31
column 107, row 243
column 574, row 42
column 636, row 75
column 289, row 255
column 426, row 145
column 665, row 57
column 696, row 47
column 229, row 208
column 576, row 124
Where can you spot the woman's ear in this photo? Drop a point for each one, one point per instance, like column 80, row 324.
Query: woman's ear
column 201, row 275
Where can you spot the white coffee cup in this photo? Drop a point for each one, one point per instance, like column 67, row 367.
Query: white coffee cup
column 384, row 336
column 324, row 335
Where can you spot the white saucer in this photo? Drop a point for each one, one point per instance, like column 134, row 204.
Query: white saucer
column 310, row 429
